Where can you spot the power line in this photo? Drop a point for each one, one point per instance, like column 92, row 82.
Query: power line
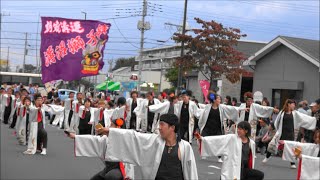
column 123, row 35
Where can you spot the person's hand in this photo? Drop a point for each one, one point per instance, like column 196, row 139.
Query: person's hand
column 276, row 110
column 72, row 135
column 90, row 123
column 297, row 154
column 103, row 131
column 198, row 136
column 247, row 109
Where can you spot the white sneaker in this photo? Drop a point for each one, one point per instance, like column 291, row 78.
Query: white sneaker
column 265, row 160
column 44, row 151
column 28, row 152
column 203, row 157
column 293, row 166
column 220, row 160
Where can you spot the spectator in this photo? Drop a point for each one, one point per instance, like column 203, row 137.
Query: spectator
column 263, row 143
column 50, row 94
column 305, row 105
column 32, row 91
column 234, row 101
column 227, row 100
column 301, row 107
column 263, row 131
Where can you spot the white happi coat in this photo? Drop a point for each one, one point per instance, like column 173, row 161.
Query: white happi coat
column 75, row 119
column 226, row 112
column 309, row 168
column 142, row 112
column 299, row 120
column 202, row 106
column 230, row 148
column 33, row 131
column 146, row 151
column 1, row 111
column 59, row 112
column 129, row 104
column 107, row 113
column 162, row 108
column 308, row 149
column 17, row 111
column 81, row 109
column 67, row 108
column 193, row 113
column 15, row 104
column 256, row 111
column 22, row 123
column 4, row 104
column 96, row 146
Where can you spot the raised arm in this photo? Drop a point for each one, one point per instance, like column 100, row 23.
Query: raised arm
column 132, row 147
column 257, row 110
column 305, row 121
column 215, row 145
column 159, row 108
column 90, row 146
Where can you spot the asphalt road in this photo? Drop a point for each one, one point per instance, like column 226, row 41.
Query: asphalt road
column 60, row 163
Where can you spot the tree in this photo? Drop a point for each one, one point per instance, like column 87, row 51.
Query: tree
column 28, row 68
column 125, row 62
column 212, row 48
column 172, row 76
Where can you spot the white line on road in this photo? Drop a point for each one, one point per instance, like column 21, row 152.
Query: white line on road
column 212, row 166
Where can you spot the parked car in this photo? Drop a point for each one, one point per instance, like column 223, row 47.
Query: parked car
column 64, row 93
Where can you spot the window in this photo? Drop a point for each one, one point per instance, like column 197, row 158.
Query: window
column 279, row 96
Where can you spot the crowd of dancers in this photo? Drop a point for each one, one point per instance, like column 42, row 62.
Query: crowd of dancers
column 144, row 137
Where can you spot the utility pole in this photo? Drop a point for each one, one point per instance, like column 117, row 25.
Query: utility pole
column 142, row 26
column 182, row 43
column 85, row 18
column 25, row 53
column 8, row 59
column 2, row 14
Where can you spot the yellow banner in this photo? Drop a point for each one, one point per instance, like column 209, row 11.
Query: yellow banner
column 3, row 62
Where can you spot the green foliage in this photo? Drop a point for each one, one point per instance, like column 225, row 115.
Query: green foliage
column 125, row 62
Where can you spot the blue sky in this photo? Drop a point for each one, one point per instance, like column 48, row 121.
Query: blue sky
column 260, row 20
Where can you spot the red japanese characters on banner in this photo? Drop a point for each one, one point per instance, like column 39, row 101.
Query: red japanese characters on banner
column 63, row 27
column 73, row 44
column 205, row 85
column 71, row 48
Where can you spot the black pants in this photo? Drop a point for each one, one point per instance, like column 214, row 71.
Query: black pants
column 150, row 122
column 133, row 122
column 27, row 127
column 114, row 174
column 70, row 117
column 14, row 120
column 183, row 131
column 196, row 126
column 85, row 131
column 42, row 138
column 251, row 174
column 52, row 118
column 269, row 155
column 7, row 112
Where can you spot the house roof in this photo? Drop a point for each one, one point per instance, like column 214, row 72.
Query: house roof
column 121, row 69
column 307, row 48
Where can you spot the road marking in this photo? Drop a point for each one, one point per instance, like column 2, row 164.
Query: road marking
column 212, row 166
